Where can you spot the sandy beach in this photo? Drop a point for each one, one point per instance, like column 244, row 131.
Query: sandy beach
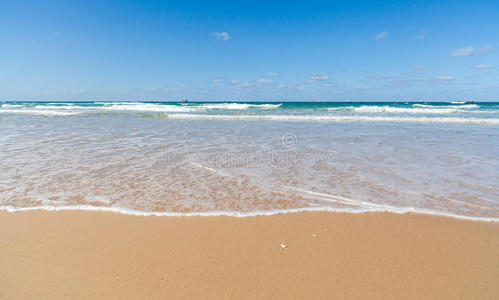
column 83, row 255
column 249, row 150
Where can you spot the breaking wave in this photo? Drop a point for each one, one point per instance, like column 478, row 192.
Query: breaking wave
column 339, row 118
column 416, row 109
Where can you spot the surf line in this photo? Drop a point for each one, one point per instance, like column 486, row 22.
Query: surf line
column 344, row 200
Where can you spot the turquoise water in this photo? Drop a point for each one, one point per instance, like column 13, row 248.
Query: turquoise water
column 251, row 158
column 319, row 111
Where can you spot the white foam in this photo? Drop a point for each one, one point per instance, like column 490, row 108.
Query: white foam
column 239, row 214
column 63, row 108
column 38, row 112
column 465, row 106
column 207, row 168
column 407, row 110
column 11, row 105
column 149, row 107
column 152, row 107
column 59, row 107
column 60, row 103
column 131, row 106
column 336, row 118
column 238, row 106
column 348, row 201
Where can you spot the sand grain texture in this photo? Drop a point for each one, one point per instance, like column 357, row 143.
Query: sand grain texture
column 83, row 255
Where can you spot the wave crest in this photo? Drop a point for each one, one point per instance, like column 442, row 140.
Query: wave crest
column 336, row 118
column 416, row 109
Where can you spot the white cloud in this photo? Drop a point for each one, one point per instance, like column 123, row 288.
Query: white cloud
column 244, row 84
column 216, row 80
column 325, row 85
column 434, row 81
column 181, row 87
column 444, row 78
column 264, row 81
column 470, row 51
column 272, row 74
column 319, row 77
column 418, row 67
column 381, row 35
column 380, row 77
column 77, row 92
column 221, row 36
column 483, row 66
column 462, row 52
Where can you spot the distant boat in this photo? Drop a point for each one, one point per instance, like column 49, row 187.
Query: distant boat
column 185, row 100
column 464, row 102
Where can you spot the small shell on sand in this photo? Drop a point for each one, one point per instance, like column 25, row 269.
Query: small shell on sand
column 284, row 246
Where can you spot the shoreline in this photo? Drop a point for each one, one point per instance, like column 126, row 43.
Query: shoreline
column 89, row 254
column 238, row 214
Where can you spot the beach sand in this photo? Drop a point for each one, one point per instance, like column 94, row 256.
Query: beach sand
column 316, row 255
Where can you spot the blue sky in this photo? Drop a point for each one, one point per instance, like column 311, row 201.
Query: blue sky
column 249, row 50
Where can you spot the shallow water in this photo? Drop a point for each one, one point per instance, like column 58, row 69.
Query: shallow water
column 251, row 158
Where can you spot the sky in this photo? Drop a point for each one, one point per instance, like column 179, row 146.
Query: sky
column 249, row 50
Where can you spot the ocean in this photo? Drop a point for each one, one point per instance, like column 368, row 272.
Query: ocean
column 251, row 158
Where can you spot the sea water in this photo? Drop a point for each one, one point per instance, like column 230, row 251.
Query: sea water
column 244, row 159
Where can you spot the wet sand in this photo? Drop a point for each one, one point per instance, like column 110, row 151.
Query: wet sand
column 83, row 255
